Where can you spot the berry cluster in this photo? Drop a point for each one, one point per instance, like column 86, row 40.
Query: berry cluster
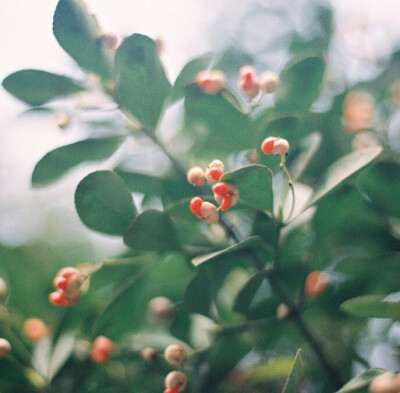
column 67, row 282
column 214, row 81
column 226, row 194
column 175, row 381
column 102, row 349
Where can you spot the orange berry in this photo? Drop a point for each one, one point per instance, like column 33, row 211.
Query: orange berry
column 102, row 348
column 34, row 329
column 195, row 206
column 316, row 283
column 226, row 203
column 220, row 189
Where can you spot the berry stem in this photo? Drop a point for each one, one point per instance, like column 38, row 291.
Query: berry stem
column 290, row 183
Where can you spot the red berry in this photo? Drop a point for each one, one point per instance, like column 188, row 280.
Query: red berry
column 215, row 173
column 172, row 390
column 226, row 203
column 195, row 206
column 268, row 145
column 316, row 283
column 60, row 282
column 220, row 189
column 58, row 299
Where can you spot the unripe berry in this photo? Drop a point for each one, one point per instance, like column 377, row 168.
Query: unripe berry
column 162, row 307
column 275, row 145
column 214, row 170
column 282, row 311
column 34, row 329
column 102, row 348
column 176, row 379
column 175, row 354
column 269, row 81
column 195, row 206
column 248, row 85
column 5, row 348
column 62, row 119
column 196, row 176
column 211, row 81
column 3, row 289
column 209, row 213
column 316, row 283
column 358, row 111
column 149, row 354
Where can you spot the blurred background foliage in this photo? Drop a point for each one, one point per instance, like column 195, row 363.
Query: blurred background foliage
column 228, row 282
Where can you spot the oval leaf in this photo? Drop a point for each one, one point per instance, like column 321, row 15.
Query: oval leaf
column 141, row 81
column 300, row 85
column 372, row 306
column 255, row 186
column 57, row 162
column 296, row 374
column 36, row 87
column 188, row 75
column 342, row 170
column 104, row 203
column 361, row 381
column 152, row 230
column 199, row 294
column 78, row 34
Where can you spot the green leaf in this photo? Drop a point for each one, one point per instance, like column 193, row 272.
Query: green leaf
column 255, row 186
column 361, row 382
column 372, row 306
column 62, row 350
column 216, row 122
column 14, row 377
column 152, row 230
column 141, row 81
column 78, row 34
column 378, row 183
column 199, row 293
column 248, row 291
column 59, row 161
column 188, row 75
column 341, row 170
column 271, row 370
column 36, row 87
column 300, row 85
column 249, row 243
column 294, row 379
column 104, row 203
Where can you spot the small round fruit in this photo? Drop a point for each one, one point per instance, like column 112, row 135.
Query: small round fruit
column 149, row 354
column 5, row 348
column 195, row 206
column 162, row 307
column 176, row 379
column 175, row 354
column 269, row 81
column 34, row 329
column 316, row 283
column 209, row 213
column 196, row 176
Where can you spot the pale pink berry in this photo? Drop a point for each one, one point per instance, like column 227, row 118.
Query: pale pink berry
column 175, row 354
column 62, row 119
column 3, row 290
column 269, row 81
column 34, row 329
column 162, row 307
column 282, row 311
column 211, row 81
column 209, row 213
column 196, row 176
column 358, row 111
column 67, row 282
column 176, row 379
column 149, row 354
column 248, row 84
column 5, row 348
column 101, row 350
column 383, row 383
column 275, row 145
column 109, row 41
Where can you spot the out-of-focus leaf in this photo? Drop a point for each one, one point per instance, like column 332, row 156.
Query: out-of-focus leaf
column 294, row 379
column 341, row 170
column 104, row 203
column 78, row 33
column 15, row 377
column 152, row 230
column 276, row 369
column 249, row 243
column 218, row 125
column 254, row 183
column 188, row 75
column 141, row 81
column 248, row 291
column 372, row 306
column 57, row 162
column 300, row 85
column 361, row 382
column 36, row 87
column 199, row 293
column 379, row 183
column 62, row 350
